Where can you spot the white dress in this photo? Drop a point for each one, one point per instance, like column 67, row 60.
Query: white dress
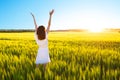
column 43, row 52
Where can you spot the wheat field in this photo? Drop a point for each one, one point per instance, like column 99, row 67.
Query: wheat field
column 74, row 56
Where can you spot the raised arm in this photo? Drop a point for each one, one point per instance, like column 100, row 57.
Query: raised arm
column 49, row 22
column 34, row 22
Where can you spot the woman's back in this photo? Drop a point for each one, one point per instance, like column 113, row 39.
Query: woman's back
column 41, row 43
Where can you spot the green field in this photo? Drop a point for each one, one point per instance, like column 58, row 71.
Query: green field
column 74, row 56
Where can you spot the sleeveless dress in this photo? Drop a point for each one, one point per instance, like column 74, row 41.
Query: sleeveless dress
column 43, row 52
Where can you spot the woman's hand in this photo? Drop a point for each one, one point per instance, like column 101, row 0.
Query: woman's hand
column 51, row 12
column 32, row 14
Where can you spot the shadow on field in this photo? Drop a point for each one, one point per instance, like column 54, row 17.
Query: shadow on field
column 5, row 39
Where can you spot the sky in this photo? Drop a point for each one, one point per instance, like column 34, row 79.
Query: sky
column 69, row 14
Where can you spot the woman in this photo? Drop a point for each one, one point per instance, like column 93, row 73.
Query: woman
column 42, row 42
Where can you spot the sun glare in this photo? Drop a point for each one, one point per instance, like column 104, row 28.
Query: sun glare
column 95, row 30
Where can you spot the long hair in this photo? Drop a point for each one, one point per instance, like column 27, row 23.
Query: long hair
column 41, row 32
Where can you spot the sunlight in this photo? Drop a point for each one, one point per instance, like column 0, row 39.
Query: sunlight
column 95, row 30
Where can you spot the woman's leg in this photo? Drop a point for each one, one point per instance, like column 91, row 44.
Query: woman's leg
column 44, row 66
column 37, row 65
